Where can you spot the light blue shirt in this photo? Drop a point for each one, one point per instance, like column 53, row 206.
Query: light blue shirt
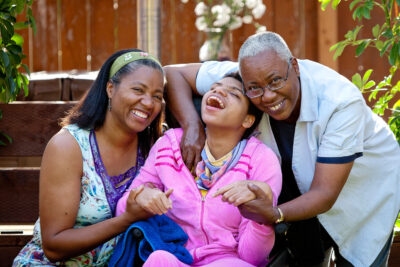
column 336, row 124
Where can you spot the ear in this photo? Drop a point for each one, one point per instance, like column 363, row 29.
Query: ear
column 295, row 66
column 248, row 121
column 110, row 89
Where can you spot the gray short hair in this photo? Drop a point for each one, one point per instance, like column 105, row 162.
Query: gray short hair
column 263, row 41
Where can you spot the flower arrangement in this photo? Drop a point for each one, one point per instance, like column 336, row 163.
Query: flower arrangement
column 215, row 17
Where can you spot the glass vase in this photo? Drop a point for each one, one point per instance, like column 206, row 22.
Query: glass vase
column 216, row 47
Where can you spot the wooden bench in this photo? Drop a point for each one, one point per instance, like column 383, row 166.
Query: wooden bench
column 30, row 125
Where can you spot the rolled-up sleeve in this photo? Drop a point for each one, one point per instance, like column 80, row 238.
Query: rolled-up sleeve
column 343, row 139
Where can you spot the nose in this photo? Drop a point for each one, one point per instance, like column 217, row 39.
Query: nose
column 147, row 101
column 268, row 95
column 220, row 90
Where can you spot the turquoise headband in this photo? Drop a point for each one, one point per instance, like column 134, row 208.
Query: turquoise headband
column 127, row 58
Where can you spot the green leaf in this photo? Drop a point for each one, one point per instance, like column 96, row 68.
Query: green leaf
column 397, row 104
column 394, row 53
column 324, row 3
column 15, row 49
column 339, row 51
column 365, row 12
column 369, row 84
column 361, row 48
column 366, row 75
column 9, row 139
column 356, row 79
column 20, row 25
column 18, row 39
column 25, row 84
column 335, row 3
column 375, row 30
column 5, row 58
column 352, row 4
column 385, row 47
column 379, row 45
column 20, row 5
column 26, row 69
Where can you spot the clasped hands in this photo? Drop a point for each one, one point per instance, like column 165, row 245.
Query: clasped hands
column 253, row 199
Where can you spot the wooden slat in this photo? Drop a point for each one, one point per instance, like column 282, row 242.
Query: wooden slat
column 102, row 31
column 180, row 40
column 31, row 125
column 19, row 195
column 73, row 35
column 327, row 36
column 126, row 24
column 311, row 35
column 45, row 55
column 9, row 248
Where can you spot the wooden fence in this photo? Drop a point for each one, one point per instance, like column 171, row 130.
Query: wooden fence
column 81, row 34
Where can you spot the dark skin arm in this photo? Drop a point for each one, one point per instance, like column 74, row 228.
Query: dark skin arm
column 60, row 190
column 327, row 184
column 181, row 84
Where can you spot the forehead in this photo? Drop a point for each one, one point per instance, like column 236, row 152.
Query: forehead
column 230, row 82
column 143, row 74
column 260, row 65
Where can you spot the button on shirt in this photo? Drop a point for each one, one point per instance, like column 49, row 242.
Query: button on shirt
column 336, row 126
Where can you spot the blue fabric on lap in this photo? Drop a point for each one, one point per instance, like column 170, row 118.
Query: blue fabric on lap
column 160, row 233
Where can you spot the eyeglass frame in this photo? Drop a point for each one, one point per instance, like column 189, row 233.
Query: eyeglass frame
column 267, row 86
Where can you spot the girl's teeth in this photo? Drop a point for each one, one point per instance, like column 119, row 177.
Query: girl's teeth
column 221, row 104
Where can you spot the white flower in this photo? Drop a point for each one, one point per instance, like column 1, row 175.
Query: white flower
column 200, row 8
column 223, row 14
column 238, row 3
column 261, row 29
column 251, row 3
column 221, row 20
column 201, row 24
column 258, row 11
column 184, row 1
column 237, row 23
column 247, row 19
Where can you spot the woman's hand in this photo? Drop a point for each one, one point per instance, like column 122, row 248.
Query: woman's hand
column 260, row 209
column 135, row 211
column 192, row 143
column 154, row 201
column 238, row 193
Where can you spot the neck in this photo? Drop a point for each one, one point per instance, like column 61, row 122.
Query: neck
column 117, row 137
column 220, row 142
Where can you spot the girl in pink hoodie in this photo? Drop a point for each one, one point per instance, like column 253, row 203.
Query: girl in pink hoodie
column 234, row 168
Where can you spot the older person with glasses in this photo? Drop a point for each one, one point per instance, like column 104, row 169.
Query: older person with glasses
column 339, row 160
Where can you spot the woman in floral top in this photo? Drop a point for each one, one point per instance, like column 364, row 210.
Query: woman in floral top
column 91, row 161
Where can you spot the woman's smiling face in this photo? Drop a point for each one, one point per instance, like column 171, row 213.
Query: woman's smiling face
column 261, row 70
column 137, row 99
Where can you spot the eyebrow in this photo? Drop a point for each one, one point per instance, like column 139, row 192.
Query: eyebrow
column 230, row 87
column 267, row 78
column 146, row 87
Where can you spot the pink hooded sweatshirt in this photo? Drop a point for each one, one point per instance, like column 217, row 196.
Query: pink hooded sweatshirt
column 215, row 228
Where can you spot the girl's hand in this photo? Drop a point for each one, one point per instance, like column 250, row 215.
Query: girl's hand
column 154, row 201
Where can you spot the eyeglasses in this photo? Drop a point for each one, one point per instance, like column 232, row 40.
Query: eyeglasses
column 275, row 84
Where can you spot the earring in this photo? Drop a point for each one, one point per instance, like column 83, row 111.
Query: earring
column 109, row 104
